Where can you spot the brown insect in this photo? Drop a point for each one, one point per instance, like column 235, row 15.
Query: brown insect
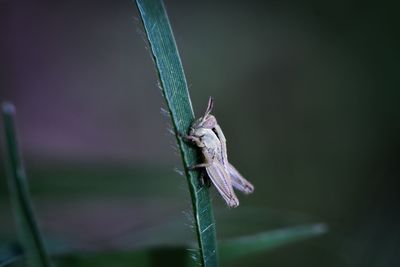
column 208, row 136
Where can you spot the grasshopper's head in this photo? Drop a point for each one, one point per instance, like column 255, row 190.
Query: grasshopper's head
column 208, row 121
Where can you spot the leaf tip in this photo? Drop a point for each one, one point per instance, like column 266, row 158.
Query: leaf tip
column 8, row 108
column 321, row 228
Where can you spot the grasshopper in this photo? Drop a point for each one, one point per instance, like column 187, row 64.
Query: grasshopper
column 206, row 133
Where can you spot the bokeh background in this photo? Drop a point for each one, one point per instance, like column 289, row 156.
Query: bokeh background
column 305, row 91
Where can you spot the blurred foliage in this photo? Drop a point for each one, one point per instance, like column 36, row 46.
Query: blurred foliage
column 231, row 250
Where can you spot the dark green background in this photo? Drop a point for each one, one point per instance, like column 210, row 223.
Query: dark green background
column 305, row 91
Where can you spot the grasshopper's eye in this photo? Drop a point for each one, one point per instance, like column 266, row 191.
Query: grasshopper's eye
column 210, row 122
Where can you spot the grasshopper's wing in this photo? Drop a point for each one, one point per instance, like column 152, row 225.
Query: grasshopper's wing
column 223, row 182
column 222, row 139
column 238, row 180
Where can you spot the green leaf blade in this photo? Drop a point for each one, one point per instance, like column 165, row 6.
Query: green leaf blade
column 176, row 93
column 247, row 245
column 28, row 230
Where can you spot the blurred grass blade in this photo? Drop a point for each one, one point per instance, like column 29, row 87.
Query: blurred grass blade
column 175, row 90
column 179, row 255
column 10, row 254
column 26, row 224
column 243, row 246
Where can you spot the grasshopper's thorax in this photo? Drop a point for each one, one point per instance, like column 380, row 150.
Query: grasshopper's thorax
column 210, row 141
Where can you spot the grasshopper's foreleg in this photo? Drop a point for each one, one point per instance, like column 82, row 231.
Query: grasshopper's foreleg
column 192, row 139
